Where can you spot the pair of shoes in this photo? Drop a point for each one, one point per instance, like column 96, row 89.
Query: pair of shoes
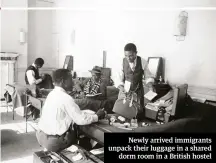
column 36, row 114
column 30, row 110
column 36, row 120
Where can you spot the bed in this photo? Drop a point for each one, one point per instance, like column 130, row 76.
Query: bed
column 187, row 116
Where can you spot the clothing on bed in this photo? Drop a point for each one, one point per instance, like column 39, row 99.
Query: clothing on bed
column 47, row 83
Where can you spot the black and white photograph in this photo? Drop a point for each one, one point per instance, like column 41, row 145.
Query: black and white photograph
column 93, row 81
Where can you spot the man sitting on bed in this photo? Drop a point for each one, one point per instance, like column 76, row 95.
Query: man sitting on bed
column 95, row 86
column 94, row 92
column 60, row 113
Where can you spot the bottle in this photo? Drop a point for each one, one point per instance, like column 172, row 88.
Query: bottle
column 160, row 80
column 134, row 123
column 160, row 115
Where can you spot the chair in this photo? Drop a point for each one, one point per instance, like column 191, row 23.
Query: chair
column 8, row 100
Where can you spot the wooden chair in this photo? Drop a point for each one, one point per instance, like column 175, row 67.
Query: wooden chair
column 8, row 101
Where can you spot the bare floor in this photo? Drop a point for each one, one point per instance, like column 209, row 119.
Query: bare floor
column 16, row 144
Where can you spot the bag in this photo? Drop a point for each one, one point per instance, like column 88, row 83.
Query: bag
column 128, row 107
column 7, row 97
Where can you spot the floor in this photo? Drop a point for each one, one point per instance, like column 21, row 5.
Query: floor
column 16, row 144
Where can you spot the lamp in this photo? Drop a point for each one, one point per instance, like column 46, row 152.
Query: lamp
column 22, row 37
column 181, row 26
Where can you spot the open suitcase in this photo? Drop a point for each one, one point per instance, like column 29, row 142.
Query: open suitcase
column 64, row 156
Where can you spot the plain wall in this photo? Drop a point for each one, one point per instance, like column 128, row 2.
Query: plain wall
column 190, row 61
column 41, row 36
column 12, row 22
column 37, row 25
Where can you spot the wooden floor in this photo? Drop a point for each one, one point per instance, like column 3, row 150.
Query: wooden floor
column 16, row 144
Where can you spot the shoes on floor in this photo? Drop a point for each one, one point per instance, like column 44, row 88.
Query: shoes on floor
column 36, row 120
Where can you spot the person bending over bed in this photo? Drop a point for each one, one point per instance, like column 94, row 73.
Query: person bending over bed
column 59, row 114
column 37, row 81
column 32, row 73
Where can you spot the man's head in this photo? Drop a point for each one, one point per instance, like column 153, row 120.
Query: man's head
column 130, row 51
column 39, row 62
column 96, row 73
column 63, row 78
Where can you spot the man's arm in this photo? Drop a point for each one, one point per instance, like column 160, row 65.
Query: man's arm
column 31, row 77
column 79, row 117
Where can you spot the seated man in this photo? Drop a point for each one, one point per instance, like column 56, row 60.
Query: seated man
column 82, row 85
column 60, row 113
column 95, row 85
column 94, row 92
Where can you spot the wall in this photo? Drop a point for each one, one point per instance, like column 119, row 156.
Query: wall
column 12, row 21
column 42, row 35
column 38, row 25
column 109, row 26
column 107, row 4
